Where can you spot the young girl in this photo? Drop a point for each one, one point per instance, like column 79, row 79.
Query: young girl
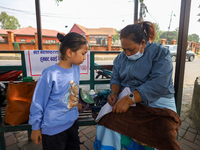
column 54, row 111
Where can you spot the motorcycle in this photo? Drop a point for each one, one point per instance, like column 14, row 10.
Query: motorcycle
column 13, row 75
column 103, row 73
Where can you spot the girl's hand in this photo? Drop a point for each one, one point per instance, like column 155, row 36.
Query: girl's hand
column 122, row 105
column 112, row 98
column 36, row 136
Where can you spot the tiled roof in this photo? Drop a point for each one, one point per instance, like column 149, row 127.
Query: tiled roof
column 31, row 31
column 4, row 31
column 97, row 31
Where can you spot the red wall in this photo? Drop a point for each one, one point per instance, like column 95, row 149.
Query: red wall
column 28, row 38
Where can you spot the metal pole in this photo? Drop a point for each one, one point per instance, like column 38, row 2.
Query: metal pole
column 181, row 52
column 38, row 19
column 141, row 11
column 169, row 26
column 136, row 11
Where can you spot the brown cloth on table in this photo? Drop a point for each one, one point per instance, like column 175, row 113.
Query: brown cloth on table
column 155, row 127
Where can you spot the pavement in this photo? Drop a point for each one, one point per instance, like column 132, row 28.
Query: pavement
column 188, row 137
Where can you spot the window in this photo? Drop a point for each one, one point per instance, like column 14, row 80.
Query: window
column 50, row 41
column 22, row 40
column 32, row 40
column 90, row 37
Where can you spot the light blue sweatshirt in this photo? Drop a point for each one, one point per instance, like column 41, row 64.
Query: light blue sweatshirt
column 151, row 74
column 49, row 111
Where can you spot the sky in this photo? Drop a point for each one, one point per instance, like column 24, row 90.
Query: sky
column 99, row 13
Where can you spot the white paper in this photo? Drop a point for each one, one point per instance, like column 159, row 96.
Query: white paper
column 37, row 60
column 107, row 108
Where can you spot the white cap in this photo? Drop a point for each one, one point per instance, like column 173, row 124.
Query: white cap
column 91, row 92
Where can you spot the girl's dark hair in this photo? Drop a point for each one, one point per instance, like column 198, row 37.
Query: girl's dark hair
column 139, row 31
column 72, row 40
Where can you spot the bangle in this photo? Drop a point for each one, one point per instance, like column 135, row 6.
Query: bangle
column 114, row 93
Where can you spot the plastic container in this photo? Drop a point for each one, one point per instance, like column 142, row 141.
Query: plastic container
column 28, row 79
column 92, row 93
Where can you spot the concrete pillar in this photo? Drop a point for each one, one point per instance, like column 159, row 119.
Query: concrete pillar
column 36, row 41
column 10, row 40
column 87, row 36
column 163, row 41
column 194, row 110
column 173, row 42
column 109, row 40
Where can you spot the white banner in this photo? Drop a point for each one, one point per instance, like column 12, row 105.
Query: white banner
column 37, row 60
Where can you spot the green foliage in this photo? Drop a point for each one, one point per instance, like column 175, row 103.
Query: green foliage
column 57, row 1
column 171, row 35
column 115, row 36
column 194, row 38
column 8, row 22
column 158, row 32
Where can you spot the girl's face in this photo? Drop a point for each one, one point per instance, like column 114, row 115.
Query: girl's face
column 79, row 56
column 130, row 47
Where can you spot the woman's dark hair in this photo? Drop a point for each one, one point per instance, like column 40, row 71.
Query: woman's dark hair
column 139, row 31
column 72, row 40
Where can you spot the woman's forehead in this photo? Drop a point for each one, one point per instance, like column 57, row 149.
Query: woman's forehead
column 126, row 43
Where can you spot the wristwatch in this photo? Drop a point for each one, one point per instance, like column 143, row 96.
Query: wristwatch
column 131, row 96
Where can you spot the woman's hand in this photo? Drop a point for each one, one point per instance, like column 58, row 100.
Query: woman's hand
column 122, row 105
column 36, row 136
column 112, row 98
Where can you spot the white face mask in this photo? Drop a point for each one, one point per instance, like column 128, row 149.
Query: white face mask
column 136, row 55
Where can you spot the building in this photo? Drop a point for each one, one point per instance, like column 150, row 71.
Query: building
column 27, row 35
column 27, row 39
column 96, row 35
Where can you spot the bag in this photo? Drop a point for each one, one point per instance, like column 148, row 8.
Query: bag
column 19, row 98
column 85, row 100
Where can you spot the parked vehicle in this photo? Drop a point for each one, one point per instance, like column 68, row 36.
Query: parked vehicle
column 12, row 75
column 190, row 55
column 103, row 73
column 2, row 93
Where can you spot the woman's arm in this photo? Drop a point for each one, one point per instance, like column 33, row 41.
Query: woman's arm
column 124, row 103
column 112, row 98
column 160, row 79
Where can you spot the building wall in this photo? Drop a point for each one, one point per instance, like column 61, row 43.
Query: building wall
column 4, row 46
column 29, row 38
column 31, row 46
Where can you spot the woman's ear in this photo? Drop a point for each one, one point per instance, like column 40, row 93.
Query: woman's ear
column 143, row 44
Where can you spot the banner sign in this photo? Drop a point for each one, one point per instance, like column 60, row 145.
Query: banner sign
column 37, row 60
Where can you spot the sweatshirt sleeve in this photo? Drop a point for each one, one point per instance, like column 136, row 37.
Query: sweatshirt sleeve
column 115, row 77
column 39, row 102
column 160, row 78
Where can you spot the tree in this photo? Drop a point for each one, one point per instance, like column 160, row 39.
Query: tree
column 57, row 1
column 8, row 22
column 193, row 37
column 158, row 32
column 116, row 36
column 172, row 35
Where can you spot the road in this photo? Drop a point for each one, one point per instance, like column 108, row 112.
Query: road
column 192, row 70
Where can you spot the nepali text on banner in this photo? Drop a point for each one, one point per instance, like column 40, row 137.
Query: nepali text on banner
column 37, row 60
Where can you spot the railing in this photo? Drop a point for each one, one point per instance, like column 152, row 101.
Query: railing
column 92, row 82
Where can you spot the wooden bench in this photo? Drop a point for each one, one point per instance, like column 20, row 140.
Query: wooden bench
column 84, row 119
